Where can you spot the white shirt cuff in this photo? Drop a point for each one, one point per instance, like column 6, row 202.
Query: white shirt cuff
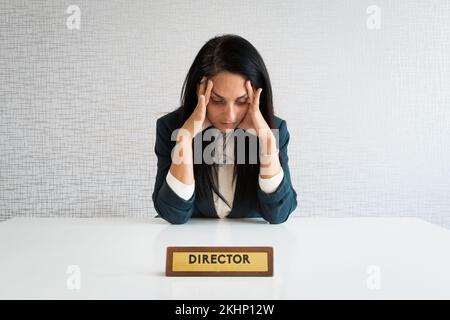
column 271, row 184
column 183, row 190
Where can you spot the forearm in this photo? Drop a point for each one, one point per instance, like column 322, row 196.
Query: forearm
column 182, row 166
column 269, row 161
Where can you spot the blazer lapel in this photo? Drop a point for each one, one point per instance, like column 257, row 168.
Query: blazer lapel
column 236, row 199
column 209, row 207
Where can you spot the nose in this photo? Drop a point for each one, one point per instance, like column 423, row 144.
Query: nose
column 229, row 114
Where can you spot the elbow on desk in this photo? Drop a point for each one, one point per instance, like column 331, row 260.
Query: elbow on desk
column 277, row 218
column 171, row 207
column 280, row 214
column 177, row 220
column 276, row 207
column 172, row 216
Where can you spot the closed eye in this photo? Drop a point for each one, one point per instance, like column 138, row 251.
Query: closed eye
column 216, row 101
column 221, row 101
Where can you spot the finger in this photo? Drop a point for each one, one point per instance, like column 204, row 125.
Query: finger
column 248, row 85
column 257, row 96
column 201, row 104
column 208, row 91
column 249, row 92
column 201, row 86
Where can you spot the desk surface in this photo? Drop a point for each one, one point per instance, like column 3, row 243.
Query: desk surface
column 314, row 258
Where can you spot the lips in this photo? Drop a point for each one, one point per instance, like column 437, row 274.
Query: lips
column 228, row 125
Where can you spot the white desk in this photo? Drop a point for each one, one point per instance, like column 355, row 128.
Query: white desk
column 313, row 258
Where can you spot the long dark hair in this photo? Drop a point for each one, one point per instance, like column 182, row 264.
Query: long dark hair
column 234, row 54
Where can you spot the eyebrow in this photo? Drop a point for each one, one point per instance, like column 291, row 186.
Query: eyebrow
column 245, row 95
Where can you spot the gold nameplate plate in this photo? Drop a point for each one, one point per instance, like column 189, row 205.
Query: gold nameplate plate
column 219, row 261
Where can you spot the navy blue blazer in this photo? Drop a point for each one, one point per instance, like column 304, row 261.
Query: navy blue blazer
column 274, row 207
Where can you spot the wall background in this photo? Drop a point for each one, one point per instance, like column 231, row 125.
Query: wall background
column 368, row 110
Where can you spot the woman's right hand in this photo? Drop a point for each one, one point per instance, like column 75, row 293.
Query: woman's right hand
column 198, row 121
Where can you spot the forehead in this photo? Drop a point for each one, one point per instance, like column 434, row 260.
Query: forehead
column 229, row 85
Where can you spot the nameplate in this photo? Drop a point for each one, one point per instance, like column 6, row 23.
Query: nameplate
column 219, row 261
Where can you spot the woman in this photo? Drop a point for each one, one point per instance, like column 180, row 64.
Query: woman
column 228, row 90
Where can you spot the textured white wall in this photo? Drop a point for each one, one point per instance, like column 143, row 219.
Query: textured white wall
column 368, row 109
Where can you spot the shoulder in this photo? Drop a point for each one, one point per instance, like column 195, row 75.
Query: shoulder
column 280, row 124
column 169, row 120
column 168, row 123
column 282, row 132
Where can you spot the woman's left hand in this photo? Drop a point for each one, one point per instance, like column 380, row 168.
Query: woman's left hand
column 270, row 164
column 254, row 118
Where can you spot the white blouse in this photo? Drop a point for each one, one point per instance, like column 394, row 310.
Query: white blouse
column 225, row 183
